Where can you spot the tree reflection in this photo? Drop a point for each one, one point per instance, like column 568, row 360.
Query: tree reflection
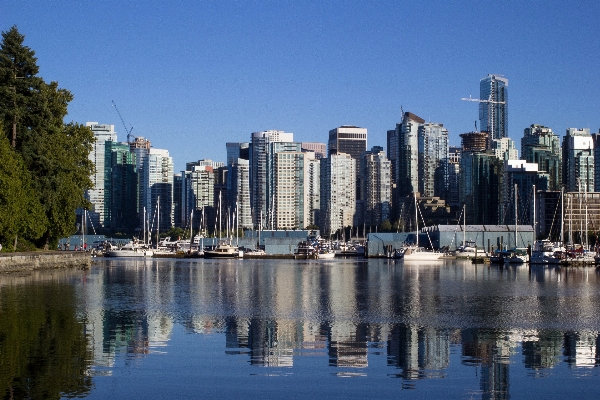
column 44, row 353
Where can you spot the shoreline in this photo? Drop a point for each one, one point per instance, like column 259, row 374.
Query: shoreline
column 43, row 260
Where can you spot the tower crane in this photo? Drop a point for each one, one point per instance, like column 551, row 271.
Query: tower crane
column 491, row 111
column 128, row 131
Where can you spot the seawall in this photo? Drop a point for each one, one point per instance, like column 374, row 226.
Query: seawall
column 38, row 260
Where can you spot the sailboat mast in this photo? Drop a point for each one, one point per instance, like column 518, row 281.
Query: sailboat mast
column 157, row 220
column 534, row 216
column 516, row 216
column 417, row 220
column 562, row 215
column 464, row 226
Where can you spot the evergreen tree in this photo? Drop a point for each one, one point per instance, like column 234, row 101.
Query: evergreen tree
column 55, row 154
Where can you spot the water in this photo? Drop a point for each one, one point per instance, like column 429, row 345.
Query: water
column 300, row 329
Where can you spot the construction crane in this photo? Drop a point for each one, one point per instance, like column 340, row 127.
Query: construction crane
column 491, row 111
column 128, row 131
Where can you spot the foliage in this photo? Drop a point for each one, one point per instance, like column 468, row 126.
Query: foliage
column 175, row 232
column 21, row 213
column 385, row 226
column 55, row 154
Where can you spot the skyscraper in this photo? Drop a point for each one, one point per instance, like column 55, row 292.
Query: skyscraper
column 260, row 162
column 338, row 192
column 121, row 190
column 578, row 160
column 542, row 146
column 493, row 110
column 407, row 179
column 433, row 160
column 102, row 134
column 158, row 173
column 376, row 186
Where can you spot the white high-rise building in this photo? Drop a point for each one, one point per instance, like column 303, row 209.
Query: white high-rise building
column 158, row 180
column 376, row 181
column 578, row 160
column 102, row 133
column 338, row 192
column 505, row 149
column 239, row 190
column 260, row 163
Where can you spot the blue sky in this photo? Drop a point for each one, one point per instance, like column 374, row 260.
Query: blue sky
column 193, row 75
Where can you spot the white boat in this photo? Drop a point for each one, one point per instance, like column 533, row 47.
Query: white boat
column 546, row 252
column 305, row 251
column 224, row 250
column 517, row 256
column 469, row 250
column 131, row 249
column 416, row 253
column 326, row 254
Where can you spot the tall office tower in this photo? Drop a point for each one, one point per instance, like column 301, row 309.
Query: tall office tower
column 596, row 139
column 320, row 149
column 158, row 173
column 221, row 200
column 542, row 146
column 493, row 113
column 453, row 197
column 102, row 134
column 375, row 170
column 525, row 175
column 141, row 148
column 239, row 192
column 433, row 160
column 407, row 179
column 349, row 139
column 481, row 187
column 259, row 164
column 198, row 194
column 338, row 192
column 121, row 190
column 237, row 150
column 505, row 149
column 312, row 189
column 578, row 160
column 178, row 219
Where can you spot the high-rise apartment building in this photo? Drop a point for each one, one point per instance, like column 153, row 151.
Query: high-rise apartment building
column 239, row 192
column 198, row 194
column 289, row 197
column 493, row 111
column 338, row 192
column 376, row 186
column 158, row 173
column 578, row 160
column 140, row 147
column 505, row 149
column 481, row 186
column 453, row 196
column 237, row 150
column 525, row 176
column 260, row 151
column 352, row 140
column 542, row 146
column 102, row 134
column 432, row 160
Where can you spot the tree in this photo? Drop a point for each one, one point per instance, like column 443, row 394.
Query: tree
column 21, row 213
column 55, row 154
column 385, row 226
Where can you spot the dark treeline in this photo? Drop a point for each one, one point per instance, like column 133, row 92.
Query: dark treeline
column 44, row 165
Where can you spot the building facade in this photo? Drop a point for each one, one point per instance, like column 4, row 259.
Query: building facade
column 433, row 160
column 158, row 173
column 542, row 146
column 578, row 160
column 493, row 110
column 102, row 133
column 376, row 186
column 338, row 192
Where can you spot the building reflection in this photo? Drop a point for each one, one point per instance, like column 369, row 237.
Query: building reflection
column 348, row 314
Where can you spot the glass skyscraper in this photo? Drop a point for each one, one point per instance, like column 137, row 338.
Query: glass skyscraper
column 493, row 110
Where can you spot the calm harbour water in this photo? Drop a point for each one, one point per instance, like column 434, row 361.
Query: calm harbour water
column 300, row 329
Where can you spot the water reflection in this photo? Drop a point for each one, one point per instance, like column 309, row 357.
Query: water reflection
column 423, row 321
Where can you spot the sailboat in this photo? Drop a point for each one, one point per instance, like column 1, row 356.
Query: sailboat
column 416, row 253
column 518, row 255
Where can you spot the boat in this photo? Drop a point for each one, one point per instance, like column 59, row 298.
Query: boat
column 546, row 252
column 518, row 255
column 224, row 250
column 131, row 249
column 416, row 253
column 305, row 251
column 325, row 254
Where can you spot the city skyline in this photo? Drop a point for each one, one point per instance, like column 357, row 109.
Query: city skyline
column 184, row 75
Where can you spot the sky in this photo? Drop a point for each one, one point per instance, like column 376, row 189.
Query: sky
column 193, row 75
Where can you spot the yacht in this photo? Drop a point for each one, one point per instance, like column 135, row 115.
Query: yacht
column 131, row 249
column 517, row 255
column 469, row 250
column 546, row 252
column 224, row 250
column 416, row 253
column 305, row 251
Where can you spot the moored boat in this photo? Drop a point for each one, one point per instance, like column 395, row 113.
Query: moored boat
column 131, row 249
column 224, row 250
